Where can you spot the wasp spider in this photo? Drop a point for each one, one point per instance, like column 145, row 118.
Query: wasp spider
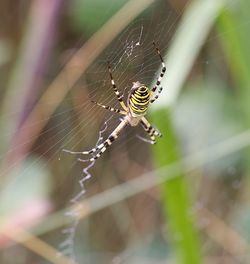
column 134, row 111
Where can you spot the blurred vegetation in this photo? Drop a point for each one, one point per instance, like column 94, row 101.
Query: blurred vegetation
column 143, row 203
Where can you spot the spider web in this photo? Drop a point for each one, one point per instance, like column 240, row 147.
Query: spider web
column 133, row 58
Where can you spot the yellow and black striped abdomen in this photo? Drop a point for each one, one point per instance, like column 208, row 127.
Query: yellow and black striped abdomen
column 139, row 100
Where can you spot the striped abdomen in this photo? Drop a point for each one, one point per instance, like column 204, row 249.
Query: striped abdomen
column 139, row 100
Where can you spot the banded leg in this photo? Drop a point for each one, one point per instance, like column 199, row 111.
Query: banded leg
column 101, row 148
column 117, row 93
column 80, row 152
column 110, row 108
column 163, row 69
column 150, row 141
column 157, row 95
column 152, row 132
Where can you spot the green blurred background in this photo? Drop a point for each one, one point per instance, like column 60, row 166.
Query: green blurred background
column 184, row 200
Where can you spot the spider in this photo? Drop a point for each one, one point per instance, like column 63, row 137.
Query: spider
column 133, row 112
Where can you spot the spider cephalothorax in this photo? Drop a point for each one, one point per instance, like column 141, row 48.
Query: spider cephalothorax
column 139, row 98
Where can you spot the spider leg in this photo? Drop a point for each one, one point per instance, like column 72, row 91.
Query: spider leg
column 156, row 96
column 101, row 148
column 150, row 141
column 110, row 108
column 152, row 132
column 163, row 69
column 117, row 93
column 80, row 152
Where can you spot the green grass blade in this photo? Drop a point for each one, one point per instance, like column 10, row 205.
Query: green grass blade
column 175, row 195
column 235, row 40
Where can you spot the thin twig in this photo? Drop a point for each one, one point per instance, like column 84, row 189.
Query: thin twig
column 150, row 180
column 37, row 245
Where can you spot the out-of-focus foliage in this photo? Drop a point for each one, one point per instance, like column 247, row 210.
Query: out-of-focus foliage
column 89, row 16
column 30, row 184
column 200, row 216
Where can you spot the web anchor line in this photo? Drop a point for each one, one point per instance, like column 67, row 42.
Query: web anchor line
column 67, row 246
